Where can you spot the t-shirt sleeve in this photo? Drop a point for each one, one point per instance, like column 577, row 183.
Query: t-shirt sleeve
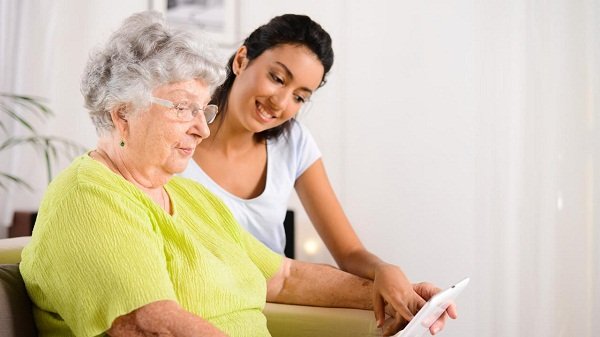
column 304, row 146
column 266, row 260
column 100, row 259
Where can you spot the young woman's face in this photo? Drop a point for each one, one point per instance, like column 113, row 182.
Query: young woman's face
column 270, row 89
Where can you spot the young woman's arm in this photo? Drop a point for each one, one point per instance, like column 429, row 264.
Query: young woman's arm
column 325, row 212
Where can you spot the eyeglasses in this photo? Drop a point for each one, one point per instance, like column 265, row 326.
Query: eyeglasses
column 186, row 112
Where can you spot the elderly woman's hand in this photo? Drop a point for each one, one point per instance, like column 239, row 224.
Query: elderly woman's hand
column 162, row 318
column 424, row 291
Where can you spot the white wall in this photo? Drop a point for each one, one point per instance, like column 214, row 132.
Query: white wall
column 462, row 139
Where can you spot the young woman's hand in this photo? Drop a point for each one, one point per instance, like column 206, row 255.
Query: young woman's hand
column 392, row 289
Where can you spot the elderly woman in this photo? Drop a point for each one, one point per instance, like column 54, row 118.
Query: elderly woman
column 123, row 247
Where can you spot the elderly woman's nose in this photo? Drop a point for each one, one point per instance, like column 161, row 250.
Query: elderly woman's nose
column 200, row 127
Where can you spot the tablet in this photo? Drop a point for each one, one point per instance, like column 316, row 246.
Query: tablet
column 432, row 310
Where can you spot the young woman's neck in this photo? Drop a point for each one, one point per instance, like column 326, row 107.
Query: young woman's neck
column 227, row 137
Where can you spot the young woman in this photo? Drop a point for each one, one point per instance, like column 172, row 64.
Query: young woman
column 258, row 153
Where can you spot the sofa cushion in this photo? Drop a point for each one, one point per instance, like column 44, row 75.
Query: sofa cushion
column 16, row 318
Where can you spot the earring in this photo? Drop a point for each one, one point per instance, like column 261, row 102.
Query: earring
column 122, row 143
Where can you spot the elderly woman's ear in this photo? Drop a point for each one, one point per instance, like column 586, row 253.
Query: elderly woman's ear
column 119, row 119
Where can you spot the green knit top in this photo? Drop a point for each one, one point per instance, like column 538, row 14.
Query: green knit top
column 101, row 248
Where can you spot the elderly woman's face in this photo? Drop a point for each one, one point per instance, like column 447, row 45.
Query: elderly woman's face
column 158, row 139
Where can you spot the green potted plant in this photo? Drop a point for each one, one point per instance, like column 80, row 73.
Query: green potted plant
column 25, row 110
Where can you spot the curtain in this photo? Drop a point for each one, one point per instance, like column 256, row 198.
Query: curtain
column 539, row 230
column 26, row 28
column 471, row 148
column 10, row 11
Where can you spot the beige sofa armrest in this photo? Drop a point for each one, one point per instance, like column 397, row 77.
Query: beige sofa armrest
column 10, row 249
column 285, row 320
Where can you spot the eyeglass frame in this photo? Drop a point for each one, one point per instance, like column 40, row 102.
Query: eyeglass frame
column 193, row 110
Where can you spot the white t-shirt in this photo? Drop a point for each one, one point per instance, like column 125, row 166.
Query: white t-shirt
column 288, row 157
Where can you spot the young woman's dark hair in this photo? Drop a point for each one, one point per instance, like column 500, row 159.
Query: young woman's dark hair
column 285, row 29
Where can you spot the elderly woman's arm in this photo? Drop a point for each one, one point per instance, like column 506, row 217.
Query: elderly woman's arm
column 321, row 285
column 162, row 318
column 304, row 283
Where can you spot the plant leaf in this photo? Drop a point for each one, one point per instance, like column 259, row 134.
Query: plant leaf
column 13, row 179
column 52, row 148
column 16, row 116
column 31, row 103
column 19, row 108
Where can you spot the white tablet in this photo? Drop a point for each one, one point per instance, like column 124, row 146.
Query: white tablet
column 432, row 310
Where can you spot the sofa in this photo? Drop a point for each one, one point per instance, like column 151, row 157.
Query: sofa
column 283, row 320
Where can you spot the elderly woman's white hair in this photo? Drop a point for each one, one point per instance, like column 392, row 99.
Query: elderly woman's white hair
column 143, row 54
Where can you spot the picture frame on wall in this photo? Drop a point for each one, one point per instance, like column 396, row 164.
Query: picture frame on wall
column 219, row 19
